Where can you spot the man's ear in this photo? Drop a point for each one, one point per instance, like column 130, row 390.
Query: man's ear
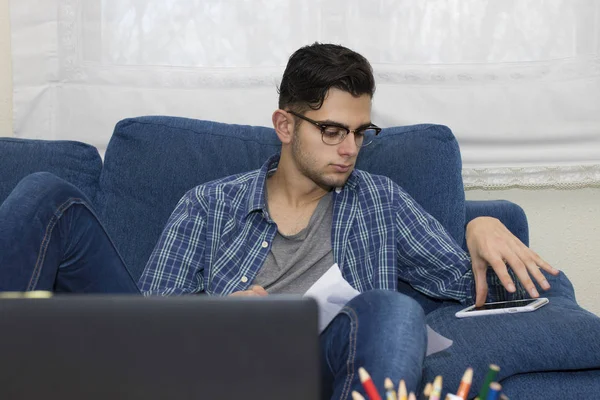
column 283, row 122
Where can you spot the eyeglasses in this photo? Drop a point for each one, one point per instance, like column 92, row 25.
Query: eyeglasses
column 333, row 134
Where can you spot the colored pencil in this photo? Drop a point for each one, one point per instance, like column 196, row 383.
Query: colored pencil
column 390, row 393
column 412, row 396
column 494, row 391
column 450, row 396
column 402, row 390
column 368, row 384
column 436, row 392
column 489, row 378
column 426, row 391
column 465, row 384
column 357, row 396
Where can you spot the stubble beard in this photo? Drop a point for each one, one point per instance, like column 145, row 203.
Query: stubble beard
column 306, row 165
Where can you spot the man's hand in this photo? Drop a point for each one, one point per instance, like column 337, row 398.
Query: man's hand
column 253, row 291
column 491, row 243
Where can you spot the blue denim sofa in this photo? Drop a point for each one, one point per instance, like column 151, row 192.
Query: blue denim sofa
column 150, row 162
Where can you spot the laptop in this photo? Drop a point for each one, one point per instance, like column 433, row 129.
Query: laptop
column 131, row 347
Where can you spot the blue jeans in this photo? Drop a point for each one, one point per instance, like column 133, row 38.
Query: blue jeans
column 380, row 330
column 51, row 239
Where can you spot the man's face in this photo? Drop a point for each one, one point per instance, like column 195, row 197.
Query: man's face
column 330, row 165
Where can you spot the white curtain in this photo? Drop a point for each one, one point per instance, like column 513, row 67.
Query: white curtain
column 518, row 81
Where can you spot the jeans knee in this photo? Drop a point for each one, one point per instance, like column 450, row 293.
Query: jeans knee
column 46, row 187
column 388, row 305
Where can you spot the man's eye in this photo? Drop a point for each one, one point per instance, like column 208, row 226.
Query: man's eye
column 333, row 131
column 367, row 132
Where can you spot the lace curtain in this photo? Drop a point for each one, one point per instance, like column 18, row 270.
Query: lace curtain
column 518, row 81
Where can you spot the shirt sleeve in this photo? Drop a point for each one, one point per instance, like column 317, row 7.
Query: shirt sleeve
column 428, row 258
column 175, row 265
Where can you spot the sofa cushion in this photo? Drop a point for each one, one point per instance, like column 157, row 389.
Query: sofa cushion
column 553, row 385
column 77, row 163
column 560, row 336
column 425, row 160
column 151, row 162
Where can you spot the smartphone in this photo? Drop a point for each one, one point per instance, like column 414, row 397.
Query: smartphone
column 503, row 307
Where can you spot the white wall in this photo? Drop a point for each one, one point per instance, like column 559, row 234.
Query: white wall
column 564, row 224
column 5, row 72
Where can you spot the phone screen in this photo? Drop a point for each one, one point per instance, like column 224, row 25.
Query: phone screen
column 506, row 304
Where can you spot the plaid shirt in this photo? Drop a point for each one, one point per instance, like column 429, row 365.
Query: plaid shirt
column 220, row 233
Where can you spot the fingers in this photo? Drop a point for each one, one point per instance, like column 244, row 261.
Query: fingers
column 541, row 263
column 481, row 286
column 522, row 272
column 531, row 265
column 534, row 264
column 489, row 240
column 254, row 291
column 536, row 273
column 500, row 269
column 259, row 290
column 244, row 293
column 518, row 257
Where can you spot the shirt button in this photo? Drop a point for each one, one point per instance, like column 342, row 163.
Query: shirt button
column 265, row 245
column 244, row 279
column 338, row 189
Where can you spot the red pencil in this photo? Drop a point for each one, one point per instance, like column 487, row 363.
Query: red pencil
column 465, row 384
column 368, row 384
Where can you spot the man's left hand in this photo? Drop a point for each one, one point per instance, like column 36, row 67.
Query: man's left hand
column 491, row 243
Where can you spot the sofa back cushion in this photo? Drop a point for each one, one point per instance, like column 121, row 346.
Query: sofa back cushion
column 76, row 162
column 151, row 162
column 425, row 161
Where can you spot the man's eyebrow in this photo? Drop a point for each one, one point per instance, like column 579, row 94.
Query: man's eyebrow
column 331, row 122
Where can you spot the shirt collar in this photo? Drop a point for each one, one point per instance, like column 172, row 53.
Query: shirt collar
column 257, row 198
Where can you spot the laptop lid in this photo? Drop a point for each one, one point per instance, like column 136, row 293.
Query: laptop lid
column 131, row 347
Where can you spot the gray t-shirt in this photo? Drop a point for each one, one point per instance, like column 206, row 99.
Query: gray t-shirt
column 297, row 261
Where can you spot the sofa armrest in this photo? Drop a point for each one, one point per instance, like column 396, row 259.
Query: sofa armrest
column 76, row 162
column 509, row 213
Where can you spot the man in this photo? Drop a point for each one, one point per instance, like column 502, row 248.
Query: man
column 278, row 229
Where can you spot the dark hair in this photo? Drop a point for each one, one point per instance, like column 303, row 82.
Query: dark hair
column 313, row 70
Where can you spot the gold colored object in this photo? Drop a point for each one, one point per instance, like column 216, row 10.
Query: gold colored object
column 38, row 294
column 11, row 295
column 35, row 294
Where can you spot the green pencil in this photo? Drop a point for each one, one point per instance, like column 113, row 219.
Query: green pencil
column 490, row 377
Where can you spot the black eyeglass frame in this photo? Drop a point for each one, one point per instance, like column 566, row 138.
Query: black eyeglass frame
column 323, row 127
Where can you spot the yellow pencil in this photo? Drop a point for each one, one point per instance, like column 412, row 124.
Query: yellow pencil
column 436, row 392
column 427, row 390
column 402, row 390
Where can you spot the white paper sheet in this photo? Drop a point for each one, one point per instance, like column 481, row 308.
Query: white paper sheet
column 332, row 292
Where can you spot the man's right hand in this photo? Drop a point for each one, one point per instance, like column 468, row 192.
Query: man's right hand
column 253, row 291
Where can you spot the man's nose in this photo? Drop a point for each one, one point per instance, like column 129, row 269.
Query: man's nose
column 348, row 146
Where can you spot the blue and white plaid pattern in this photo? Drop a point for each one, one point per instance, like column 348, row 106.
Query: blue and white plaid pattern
column 220, row 233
